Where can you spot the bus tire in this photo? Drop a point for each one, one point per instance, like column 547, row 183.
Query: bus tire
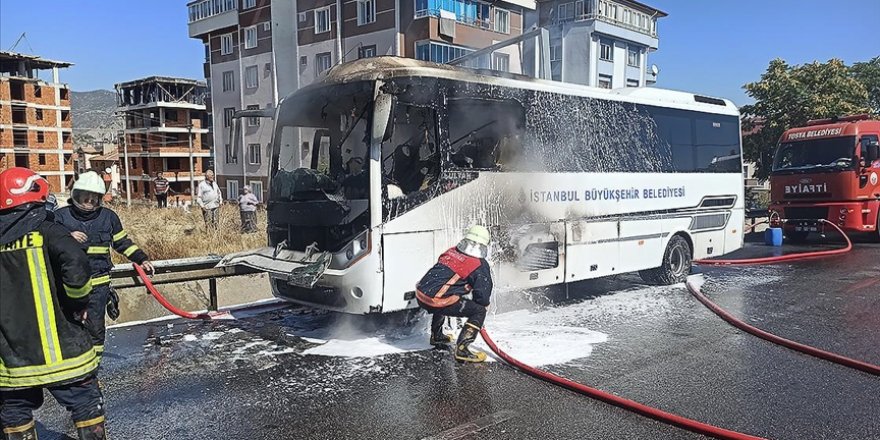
column 676, row 265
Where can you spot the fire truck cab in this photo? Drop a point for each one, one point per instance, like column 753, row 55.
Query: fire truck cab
column 828, row 169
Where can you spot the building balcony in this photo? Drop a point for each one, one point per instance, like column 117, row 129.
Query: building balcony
column 206, row 16
column 612, row 13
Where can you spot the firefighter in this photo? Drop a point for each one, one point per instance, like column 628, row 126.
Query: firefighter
column 44, row 294
column 458, row 272
column 98, row 229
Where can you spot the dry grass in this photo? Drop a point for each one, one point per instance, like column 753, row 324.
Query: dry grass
column 174, row 233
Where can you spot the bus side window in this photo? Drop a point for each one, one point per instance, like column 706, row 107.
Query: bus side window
column 484, row 134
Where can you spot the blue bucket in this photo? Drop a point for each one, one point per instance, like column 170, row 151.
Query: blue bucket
column 773, row 237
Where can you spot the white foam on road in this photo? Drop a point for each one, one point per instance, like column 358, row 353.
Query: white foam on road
column 552, row 336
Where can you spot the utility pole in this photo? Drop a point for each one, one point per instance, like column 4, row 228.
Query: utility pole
column 125, row 158
column 192, row 171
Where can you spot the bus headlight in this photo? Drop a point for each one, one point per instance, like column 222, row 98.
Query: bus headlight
column 353, row 251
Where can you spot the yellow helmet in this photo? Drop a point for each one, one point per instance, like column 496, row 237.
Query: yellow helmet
column 478, row 234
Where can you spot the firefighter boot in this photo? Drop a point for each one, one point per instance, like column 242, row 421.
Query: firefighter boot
column 91, row 429
column 462, row 347
column 23, row 432
column 438, row 338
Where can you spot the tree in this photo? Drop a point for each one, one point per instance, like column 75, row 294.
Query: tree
column 789, row 96
column 868, row 73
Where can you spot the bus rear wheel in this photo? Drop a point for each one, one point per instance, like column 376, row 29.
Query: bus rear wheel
column 676, row 265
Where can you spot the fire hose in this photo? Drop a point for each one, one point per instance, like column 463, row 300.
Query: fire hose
column 630, row 405
column 783, row 258
column 806, row 349
column 170, row 307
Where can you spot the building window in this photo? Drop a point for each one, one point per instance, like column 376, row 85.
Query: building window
column 501, row 62
column 438, row 52
column 605, row 81
column 251, row 77
column 227, row 116
column 257, row 189
column 42, row 159
column 302, row 17
column 250, row 37
column 303, row 61
column 254, row 154
column 471, row 12
column 40, row 138
column 633, row 57
column 253, row 121
column 267, row 26
column 228, row 81
column 225, row 44
column 38, row 91
column 134, row 163
column 247, row 4
column 556, row 51
column 606, row 51
column 566, row 12
column 39, row 114
column 632, row 82
column 366, row 12
column 322, row 20
column 367, row 51
column 502, row 21
column 231, row 189
column 323, row 61
column 231, row 157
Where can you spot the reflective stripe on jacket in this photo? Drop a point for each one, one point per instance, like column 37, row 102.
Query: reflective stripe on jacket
column 454, row 275
column 104, row 231
column 44, row 280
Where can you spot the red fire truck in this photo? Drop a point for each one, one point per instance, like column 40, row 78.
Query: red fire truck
column 828, row 170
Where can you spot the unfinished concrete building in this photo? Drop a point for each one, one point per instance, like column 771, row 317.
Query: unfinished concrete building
column 35, row 126
column 166, row 130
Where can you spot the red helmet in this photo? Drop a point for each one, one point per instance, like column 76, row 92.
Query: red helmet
column 21, row 185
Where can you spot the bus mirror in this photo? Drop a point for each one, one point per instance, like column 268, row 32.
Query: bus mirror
column 872, row 152
column 383, row 123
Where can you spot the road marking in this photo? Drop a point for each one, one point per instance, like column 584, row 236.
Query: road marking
column 477, row 425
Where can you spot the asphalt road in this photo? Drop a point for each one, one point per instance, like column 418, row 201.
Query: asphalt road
column 249, row 378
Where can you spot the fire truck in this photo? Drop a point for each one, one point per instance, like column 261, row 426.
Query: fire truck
column 828, row 170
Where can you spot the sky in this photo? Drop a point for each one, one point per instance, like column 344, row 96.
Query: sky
column 712, row 47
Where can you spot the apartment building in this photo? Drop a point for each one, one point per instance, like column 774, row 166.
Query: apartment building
column 35, row 124
column 257, row 51
column 165, row 131
column 599, row 43
column 240, row 73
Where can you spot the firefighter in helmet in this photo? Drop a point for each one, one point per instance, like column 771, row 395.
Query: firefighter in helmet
column 98, row 229
column 44, row 293
column 459, row 271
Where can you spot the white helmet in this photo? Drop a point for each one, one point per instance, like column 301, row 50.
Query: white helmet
column 475, row 242
column 88, row 191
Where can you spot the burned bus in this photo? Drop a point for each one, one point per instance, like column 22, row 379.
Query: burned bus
column 380, row 166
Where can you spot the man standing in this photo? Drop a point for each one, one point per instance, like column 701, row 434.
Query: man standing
column 459, row 271
column 160, row 188
column 247, row 205
column 44, row 294
column 98, row 229
column 209, row 198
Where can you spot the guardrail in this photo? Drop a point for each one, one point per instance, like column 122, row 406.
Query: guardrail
column 181, row 270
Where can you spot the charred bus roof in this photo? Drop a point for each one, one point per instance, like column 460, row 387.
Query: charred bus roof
column 389, row 67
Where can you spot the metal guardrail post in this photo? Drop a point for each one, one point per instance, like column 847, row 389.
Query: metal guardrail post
column 212, row 291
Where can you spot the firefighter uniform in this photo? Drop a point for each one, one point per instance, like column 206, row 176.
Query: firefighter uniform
column 104, row 231
column 44, row 287
column 458, row 273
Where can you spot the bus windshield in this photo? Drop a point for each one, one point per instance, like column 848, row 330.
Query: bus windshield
column 323, row 137
column 823, row 154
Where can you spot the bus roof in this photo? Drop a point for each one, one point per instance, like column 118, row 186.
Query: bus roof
column 387, row 67
column 835, row 129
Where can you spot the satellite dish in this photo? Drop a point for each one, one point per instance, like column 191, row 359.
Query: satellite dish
column 654, row 69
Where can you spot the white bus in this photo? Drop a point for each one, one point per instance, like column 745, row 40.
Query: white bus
column 379, row 167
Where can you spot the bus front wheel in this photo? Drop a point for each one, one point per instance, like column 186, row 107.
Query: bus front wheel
column 676, row 264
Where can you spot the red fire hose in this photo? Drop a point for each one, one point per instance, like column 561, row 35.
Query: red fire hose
column 171, row 308
column 812, row 351
column 647, row 411
column 783, row 258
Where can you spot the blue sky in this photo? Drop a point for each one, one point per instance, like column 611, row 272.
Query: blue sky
column 707, row 46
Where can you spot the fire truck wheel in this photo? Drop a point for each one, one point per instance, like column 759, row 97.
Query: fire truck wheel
column 676, row 264
column 797, row 236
